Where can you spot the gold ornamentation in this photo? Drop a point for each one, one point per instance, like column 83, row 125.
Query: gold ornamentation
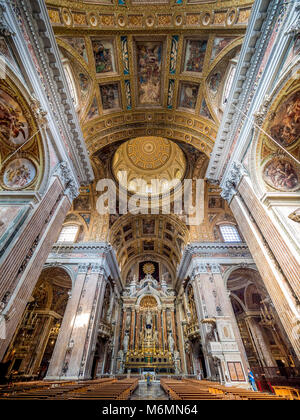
column 148, row 268
column 148, row 302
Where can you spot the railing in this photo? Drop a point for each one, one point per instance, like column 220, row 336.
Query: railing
column 192, row 330
column 273, row 372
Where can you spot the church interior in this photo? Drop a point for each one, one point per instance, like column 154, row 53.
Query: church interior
column 181, row 119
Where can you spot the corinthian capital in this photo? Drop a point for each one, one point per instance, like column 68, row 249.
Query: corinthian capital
column 64, row 173
column 232, row 180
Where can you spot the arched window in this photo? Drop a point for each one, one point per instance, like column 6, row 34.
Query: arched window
column 71, row 84
column 230, row 233
column 68, row 233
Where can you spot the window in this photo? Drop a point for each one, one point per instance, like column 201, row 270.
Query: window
column 68, row 234
column 71, row 84
column 230, row 233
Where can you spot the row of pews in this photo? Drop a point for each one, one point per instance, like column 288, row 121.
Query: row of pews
column 193, row 389
column 101, row 389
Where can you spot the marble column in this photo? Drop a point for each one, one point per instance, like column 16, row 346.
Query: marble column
column 78, row 336
column 174, row 330
column 63, row 342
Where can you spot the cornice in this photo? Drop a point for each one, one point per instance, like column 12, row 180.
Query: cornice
column 202, row 249
column 36, row 18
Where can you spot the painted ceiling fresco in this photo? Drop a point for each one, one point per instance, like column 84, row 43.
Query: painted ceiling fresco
column 136, row 68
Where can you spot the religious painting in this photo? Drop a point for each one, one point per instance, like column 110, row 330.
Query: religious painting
column 149, row 63
column 13, row 124
column 148, row 245
column 188, row 95
column 82, row 203
column 281, row 173
column 194, row 55
column 19, row 173
column 86, row 218
column 219, row 44
column 78, row 44
column 93, row 111
column 285, row 127
column 204, row 110
column 170, row 227
column 149, row 267
column 148, row 227
column 5, row 51
column 215, row 202
column 110, row 96
column 104, row 56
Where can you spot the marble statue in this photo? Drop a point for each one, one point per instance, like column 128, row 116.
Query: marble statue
column 125, row 343
column 171, row 343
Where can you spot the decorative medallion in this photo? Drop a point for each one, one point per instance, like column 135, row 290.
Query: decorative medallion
column 282, row 174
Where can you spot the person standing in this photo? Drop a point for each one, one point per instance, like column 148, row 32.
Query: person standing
column 252, row 380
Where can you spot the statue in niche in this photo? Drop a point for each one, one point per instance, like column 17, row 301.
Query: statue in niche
column 171, row 343
column 127, row 322
column 125, row 343
column 149, row 318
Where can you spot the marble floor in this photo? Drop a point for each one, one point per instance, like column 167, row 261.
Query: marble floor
column 152, row 392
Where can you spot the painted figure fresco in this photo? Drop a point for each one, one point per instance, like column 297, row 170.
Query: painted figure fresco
column 19, row 173
column 194, row 56
column 214, row 82
column 93, row 111
column 204, row 111
column 149, row 60
column 285, row 126
column 219, row 44
column 104, row 57
column 148, row 227
column 188, row 95
column 83, row 83
column 110, row 96
column 281, row 174
column 13, row 125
